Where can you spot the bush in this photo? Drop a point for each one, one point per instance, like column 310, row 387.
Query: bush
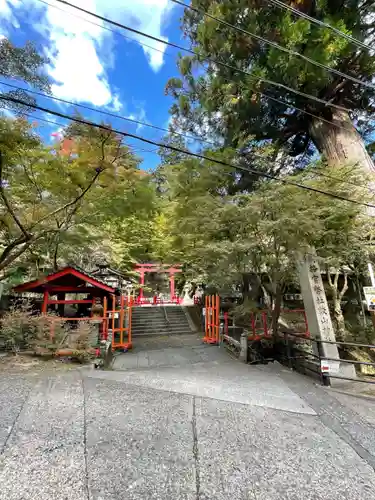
column 22, row 330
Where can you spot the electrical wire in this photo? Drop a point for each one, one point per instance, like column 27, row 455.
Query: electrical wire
column 318, row 22
column 104, row 27
column 37, row 119
column 210, row 60
column 275, row 45
column 108, row 113
column 280, row 101
column 138, row 122
column 180, row 150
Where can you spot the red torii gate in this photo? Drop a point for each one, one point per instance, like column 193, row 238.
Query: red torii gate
column 142, row 269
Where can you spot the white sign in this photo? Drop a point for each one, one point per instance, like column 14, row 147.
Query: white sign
column 331, row 367
column 369, row 292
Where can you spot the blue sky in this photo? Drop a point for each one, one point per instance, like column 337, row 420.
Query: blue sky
column 93, row 66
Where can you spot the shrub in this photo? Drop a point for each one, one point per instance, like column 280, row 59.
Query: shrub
column 22, row 330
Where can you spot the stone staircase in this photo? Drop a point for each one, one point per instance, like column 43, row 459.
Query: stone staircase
column 159, row 320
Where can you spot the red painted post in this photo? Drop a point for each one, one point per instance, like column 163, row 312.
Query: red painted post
column 130, row 303
column 206, row 317
column 142, row 282
column 121, row 320
column 45, row 302
column 113, row 318
column 105, row 319
column 217, row 304
column 265, row 326
column 172, row 288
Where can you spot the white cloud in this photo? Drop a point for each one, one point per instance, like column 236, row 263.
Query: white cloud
column 116, row 104
column 80, row 51
column 139, row 115
column 144, row 15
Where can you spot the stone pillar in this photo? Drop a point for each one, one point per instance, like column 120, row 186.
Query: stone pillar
column 317, row 312
column 243, row 351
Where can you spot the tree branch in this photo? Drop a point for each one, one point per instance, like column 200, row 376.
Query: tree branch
column 345, row 287
column 71, row 203
column 15, row 243
column 329, row 277
column 6, row 201
column 336, row 280
column 11, row 258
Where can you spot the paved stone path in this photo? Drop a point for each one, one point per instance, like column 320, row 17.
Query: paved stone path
column 190, row 424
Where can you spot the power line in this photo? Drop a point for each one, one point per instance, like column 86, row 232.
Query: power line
column 145, row 124
column 113, row 115
column 210, row 60
column 275, row 45
column 180, row 150
column 156, row 151
column 198, row 139
column 226, row 79
column 53, row 122
column 313, row 20
column 102, row 26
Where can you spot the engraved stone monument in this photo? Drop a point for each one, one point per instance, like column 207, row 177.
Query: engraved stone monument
column 317, row 311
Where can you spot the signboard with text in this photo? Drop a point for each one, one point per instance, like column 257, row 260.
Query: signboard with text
column 369, row 292
column 330, row 367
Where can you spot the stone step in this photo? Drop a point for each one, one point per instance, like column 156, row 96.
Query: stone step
column 172, row 329
column 147, row 323
column 152, row 333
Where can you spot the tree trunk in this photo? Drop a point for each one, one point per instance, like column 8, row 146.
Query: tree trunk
column 341, row 146
column 338, row 318
column 337, row 296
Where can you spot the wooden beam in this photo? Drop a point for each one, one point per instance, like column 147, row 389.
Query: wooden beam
column 70, row 302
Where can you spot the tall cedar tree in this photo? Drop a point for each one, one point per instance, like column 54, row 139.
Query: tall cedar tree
column 231, row 102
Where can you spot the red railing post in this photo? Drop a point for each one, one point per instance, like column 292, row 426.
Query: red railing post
column 265, row 325
column 105, row 320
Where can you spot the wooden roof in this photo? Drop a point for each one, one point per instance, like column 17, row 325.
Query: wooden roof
column 69, row 279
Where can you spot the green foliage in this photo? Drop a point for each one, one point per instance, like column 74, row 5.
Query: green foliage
column 22, row 63
column 230, row 103
column 221, row 237
column 56, row 206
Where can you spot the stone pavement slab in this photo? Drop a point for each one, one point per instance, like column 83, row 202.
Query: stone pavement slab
column 345, row 420
column 14, row 391
column 227, row 381
column 44, row 456
column 168, row 351
column 248, row 452
column 362, row 405
column 139, row 442
column 82, row 435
